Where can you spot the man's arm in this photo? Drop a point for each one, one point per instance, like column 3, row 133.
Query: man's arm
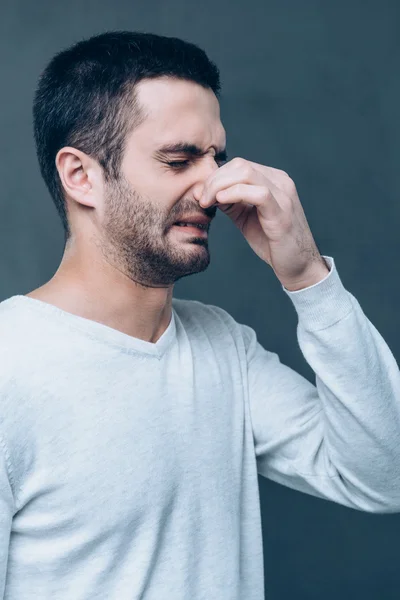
column 339, row 440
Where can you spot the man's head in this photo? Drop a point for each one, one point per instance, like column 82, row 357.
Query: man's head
column 104, row 112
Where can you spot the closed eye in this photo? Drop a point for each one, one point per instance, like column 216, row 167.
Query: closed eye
column 178, row 164
column 181, row 164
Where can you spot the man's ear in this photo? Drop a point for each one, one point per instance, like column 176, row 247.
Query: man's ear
column 80, row 175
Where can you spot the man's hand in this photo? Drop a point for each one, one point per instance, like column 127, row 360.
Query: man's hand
column 263, row 203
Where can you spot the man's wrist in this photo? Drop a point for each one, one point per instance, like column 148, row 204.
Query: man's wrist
column 319, row 273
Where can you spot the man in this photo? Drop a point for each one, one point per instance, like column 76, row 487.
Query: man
column 134, row 424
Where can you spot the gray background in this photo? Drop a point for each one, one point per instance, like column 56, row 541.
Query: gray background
column 309, row 87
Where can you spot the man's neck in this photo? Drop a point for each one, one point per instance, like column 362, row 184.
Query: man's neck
column 137, row 317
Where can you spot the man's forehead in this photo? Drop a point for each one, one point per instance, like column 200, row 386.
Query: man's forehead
column 195, row 140
column 166, row 98
column 179, row 113
column 166, row 92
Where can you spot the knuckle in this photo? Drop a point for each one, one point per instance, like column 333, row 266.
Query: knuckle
column 283, row 173
column 289, row 185
column 246, row 171
column 240, row 162
column 266, row 193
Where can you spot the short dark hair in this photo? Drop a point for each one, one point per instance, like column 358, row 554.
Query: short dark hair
column 86, row 97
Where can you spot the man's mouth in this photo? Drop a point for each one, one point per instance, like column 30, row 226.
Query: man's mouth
column 192, row 228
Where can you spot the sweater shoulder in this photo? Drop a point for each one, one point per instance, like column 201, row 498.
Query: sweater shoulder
column 214, row 319
column 217, row 321
column 18, row 333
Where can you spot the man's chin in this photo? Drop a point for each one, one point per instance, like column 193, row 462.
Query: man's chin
column 193, row 267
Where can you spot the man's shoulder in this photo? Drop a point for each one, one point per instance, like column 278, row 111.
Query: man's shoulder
column 20, row 334
column 215, row 318
column 12, row 321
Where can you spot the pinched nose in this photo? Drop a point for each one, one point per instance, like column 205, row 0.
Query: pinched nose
column 206, row 172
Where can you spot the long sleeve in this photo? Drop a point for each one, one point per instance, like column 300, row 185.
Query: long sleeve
column 340, row 439
column 6, row 513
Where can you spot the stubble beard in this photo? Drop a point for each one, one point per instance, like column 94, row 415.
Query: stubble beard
column 135, row 240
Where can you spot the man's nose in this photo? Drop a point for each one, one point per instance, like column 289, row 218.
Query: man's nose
column 206, row 172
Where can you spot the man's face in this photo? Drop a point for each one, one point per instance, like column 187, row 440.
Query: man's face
column 138, row 231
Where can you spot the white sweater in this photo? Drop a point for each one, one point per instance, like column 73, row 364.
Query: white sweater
column 128, row 469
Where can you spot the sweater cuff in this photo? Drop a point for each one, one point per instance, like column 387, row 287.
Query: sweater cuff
column 324, row 303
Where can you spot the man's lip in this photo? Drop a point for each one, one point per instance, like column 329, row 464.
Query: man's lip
column 193, row 229
column 197, row 219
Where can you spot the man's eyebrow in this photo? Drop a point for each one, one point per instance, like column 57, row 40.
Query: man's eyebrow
column 189, row 149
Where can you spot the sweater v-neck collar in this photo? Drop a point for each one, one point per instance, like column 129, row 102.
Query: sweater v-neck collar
column 98, row 330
